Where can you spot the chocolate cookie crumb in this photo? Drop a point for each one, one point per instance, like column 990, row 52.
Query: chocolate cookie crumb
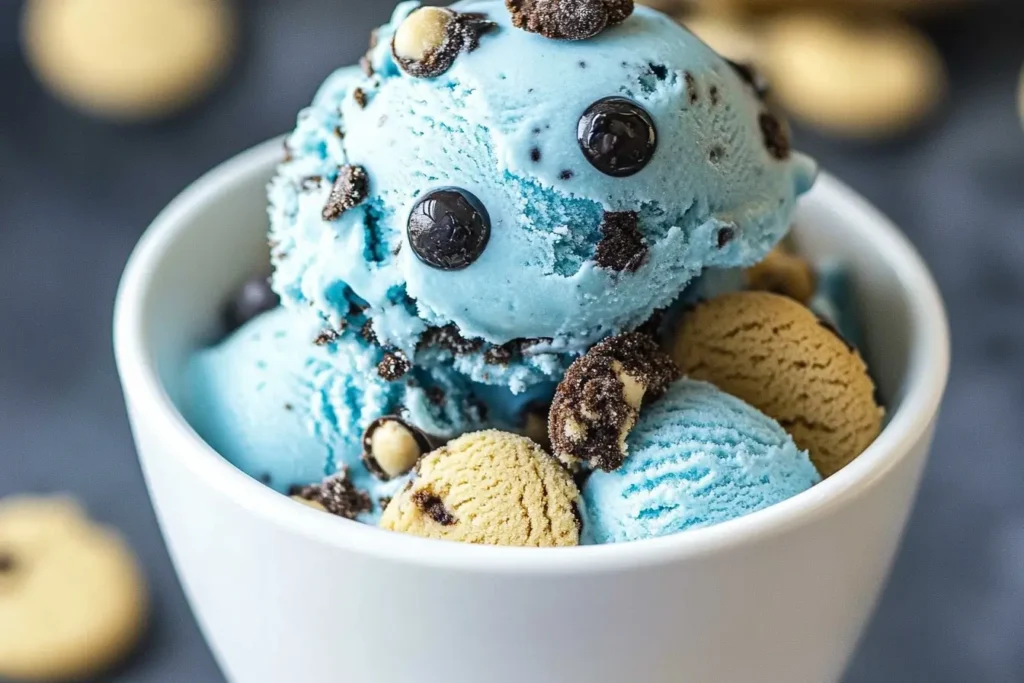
column 535, row 154
column 660, row 71
column 716, row 153
column 394, row 366
column 713, row 94
column 725, row 235
column 598, row 401
column 498, row 355
column 328, row 336
column 566, row 175
column 568, row 19
column 350, row 189
column 776, row 140
column 359, row 95
column 449, row 338
column 337, row 495
column 622, row 247
column 691, row 88
column 367, row 333
column 433, row 507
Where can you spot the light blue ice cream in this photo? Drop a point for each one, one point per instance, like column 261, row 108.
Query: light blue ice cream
column 289, row 412
column 501, row 123
column 696, row 457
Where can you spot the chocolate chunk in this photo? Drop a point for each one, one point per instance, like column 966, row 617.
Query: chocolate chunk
column 535, row 154
column 660, row 71
column 776, row 139
column 394, row 366
column 349, row 190
column 716, row 153
column 367, row 333
column 337, row 495
column 622, row 247
column 566, row 175
column 498, row 355
column 433, row 507
column 725, row 235
column 427, row 43
column 359, row 95
column 392, row 446
column 599, row 400
column 568, row 19
column 714, row 95
column 253, row 299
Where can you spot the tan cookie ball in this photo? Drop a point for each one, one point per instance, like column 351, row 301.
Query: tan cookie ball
column 776, row 355
column 129, row 59
column 491, row 488
column 72, row 599
column 783, row 273
column 852, row 77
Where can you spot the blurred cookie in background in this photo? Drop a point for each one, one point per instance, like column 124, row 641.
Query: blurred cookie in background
column 72, row 597
column 129, row 60
column 733, row 37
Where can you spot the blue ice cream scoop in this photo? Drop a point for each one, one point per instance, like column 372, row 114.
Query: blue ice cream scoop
column 696, row 457
column 535, row 195
column 290, row 412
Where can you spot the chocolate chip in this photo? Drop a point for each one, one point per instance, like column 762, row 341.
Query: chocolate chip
column 392, row 446
column 535, row 155
column 583, row 65
column 622, row 247
column 254, row 298
column 427, row 43
column 617, row 136
column 7, row 562
column 337, row 495
column 776, row 139
column 359, row 95
column 660, row 71
column 349, row 190
column 448, row 228
column 725, row 236
column 432, row 505
column 566, row 175
column 716, row 153
column 568, row 19
column 393, row 366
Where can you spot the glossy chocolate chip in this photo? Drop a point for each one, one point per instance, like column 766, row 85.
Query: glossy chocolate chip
column 449, row 228
column 617, row 136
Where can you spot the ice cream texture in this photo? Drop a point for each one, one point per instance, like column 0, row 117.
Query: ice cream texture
column 697, row 457
column 492, row 488
column 573, row 254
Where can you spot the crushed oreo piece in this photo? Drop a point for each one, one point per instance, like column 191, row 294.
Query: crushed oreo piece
column 337, row 495
column 253, row 299
column 566, row 175
column 359, row 95
column 325, row 337
column 622, row 247
column 692, row 94
column 714, row 95
column 599, row 400
column 433, row 507
column 659, row 71
column 427, row 43
column 568, row 19
column 349, row 190
column 716, row 153
column 394, row 366
column 449, row 338
column 776, row 138
column 392, row 446
column 535, row 154
column 725, row 235
column 367, row 333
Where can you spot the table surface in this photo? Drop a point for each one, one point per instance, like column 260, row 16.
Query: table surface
column 75, row 194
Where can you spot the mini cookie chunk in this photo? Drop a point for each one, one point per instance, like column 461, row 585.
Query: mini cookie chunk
column 783, row 273
column 391, row 447
column 348, row 192
column 127, row 59
column 491, row 488
column 598, row 401
column 776, row 355
column 858, row 79
column 568, row 19
column 72, row 597
column 428, row 41
column 336, row 495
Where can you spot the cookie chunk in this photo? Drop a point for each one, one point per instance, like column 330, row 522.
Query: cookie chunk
column 491, row 488
column 426, row 44
column 599, row 400
column 776, row 355
column 568, row 19
column 72, row 597
column 336, row 495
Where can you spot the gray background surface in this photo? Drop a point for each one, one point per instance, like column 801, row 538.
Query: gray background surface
column 75, row 194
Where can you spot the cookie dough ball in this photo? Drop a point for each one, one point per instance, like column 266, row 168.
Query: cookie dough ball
column 783, row 273
column 72, row 600
column 852, row 78
column 776, row 355
column 491, row 488
column 129, row 59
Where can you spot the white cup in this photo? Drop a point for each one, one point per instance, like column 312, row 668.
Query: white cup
column 286, row 593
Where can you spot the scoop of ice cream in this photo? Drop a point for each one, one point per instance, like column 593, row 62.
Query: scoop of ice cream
column 697, row 457
column 491, row 205
column 492, row 488
column 289, row 411
column 778, row 356
column 783, row 273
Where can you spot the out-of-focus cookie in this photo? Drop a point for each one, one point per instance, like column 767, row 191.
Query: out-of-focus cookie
column 776, row 355
column 729, row 36
column 491, row 488
column 783, row 273
column 129, row 59
column 852, row 77
column 72, row 598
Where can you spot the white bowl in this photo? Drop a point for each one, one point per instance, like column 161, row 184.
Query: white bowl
column 287, row 593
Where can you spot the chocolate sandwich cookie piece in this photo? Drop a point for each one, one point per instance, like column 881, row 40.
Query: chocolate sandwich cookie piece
column 599, row 400
column 349, row 190
column 776, row 355
column 391, row 447
column 568, row 19
column 72, row 597
column 427, row 43
column 337, row 495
